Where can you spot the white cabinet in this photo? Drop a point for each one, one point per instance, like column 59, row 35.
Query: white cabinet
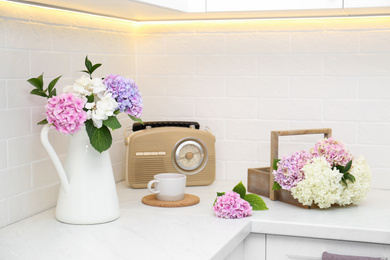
column 298, row 248
column 251, row 5
column 362, row 7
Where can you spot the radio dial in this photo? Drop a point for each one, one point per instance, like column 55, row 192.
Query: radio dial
column 189, row 156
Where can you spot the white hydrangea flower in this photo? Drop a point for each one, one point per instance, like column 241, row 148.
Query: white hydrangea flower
column 103, row 107
column 321, row 184
column 85, row 86
column 358, row 190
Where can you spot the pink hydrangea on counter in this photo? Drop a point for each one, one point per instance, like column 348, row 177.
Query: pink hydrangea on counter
column 231, row 205
column 65, row 112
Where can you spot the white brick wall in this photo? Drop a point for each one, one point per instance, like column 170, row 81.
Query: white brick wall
column 241, row 78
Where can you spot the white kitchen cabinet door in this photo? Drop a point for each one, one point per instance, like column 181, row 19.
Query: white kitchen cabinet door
column 297, row 248
column 274, row 5
column 366, row 3
column 252, row 248
column 364, row 7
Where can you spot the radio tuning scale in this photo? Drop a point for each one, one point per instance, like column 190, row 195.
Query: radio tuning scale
column 189, row 156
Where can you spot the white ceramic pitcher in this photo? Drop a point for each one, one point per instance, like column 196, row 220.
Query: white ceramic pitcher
column 88, row 193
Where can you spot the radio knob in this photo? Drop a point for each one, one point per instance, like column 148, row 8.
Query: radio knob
column 189, row 156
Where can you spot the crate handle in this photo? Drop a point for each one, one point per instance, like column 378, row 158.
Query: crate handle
column 275, row 147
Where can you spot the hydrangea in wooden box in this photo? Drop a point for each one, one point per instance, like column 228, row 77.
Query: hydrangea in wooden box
column 325, row 176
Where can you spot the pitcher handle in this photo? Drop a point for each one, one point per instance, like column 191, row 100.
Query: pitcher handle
column 54, row 157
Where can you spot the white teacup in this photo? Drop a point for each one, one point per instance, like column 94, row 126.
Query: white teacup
column 168, row 186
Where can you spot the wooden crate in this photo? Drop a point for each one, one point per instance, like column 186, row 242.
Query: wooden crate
column 261, row 180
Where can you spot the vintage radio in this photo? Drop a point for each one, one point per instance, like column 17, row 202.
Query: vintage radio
column 177, row 147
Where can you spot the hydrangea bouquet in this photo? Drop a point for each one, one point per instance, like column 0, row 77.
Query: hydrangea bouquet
column 237, row 203
column 327, row 175
column 94, row 102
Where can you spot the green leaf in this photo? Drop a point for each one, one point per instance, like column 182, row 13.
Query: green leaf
column 275, row 164
column 348, row 166
column 112, row 122
column 38, row 92
column 37, row 82
column 52, row 84
column 139, row 120
column 240, row 189
column 100, row 138
column 53, row 93
column 94, row 67
column 256, row 202
column 43, row 122
column 88, row 64
column 90, row 98
column 340, row 168
column 220, row 194
column 276, row 186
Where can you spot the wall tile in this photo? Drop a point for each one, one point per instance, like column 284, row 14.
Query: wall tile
column 165, row 65
column 123, row 65
column 360, row 24
column 172, row 106
column 15, row 123
column 258, row 43
column 43, row 174
column 3, row 98
column 357, row 65
column 18, row 94
column 362, row 111
column 239, row 170
column 253, row 129
column 376, row 41
column 14, row 181
column 324, row 87
column 380, row 177
column 195, row 86
column 52, row 64
column 243, row 150
column 374, row 133
column 24, row 150
column 150, row 44
column 3, row 213
column 325, row 42
column 24, row 35
column 347, row 132
column 195, row 44
column 151, row 85
column 29, row 203
column 261, row 87
column 226, row 108
column 290, row 65
column 14, row 64
column 285, row 109
column 376, row 155
column 3, row 154
column 374, row 88
column 70, row 39
column 2, row 33
column 221, row 65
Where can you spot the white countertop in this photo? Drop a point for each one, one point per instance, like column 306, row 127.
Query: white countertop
column 145, row 232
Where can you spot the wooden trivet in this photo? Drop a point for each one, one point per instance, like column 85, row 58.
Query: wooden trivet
column 188, row 200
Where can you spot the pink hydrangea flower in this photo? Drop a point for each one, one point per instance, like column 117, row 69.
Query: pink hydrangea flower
column 231, row 205
column 333, row 151
column 65, row 112
column 289, row 171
